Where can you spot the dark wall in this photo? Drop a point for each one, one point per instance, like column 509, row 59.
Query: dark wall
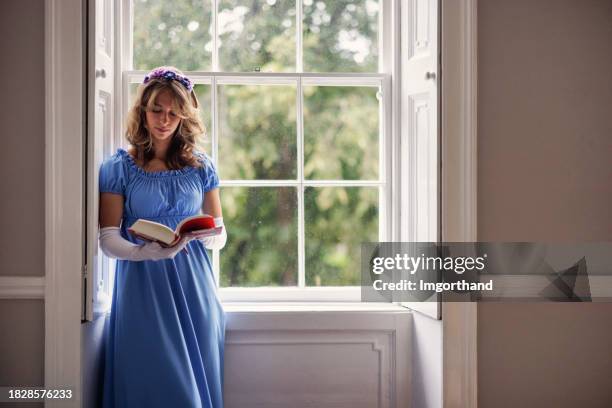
column 22, row 188
column 544, row 173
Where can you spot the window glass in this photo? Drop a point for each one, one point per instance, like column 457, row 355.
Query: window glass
column 340, row 35
column 261, row 249
column 176, row 32
column 257, row 35
column 204, row 143
column 337, row 220
column 257, row 132
column 341, row 133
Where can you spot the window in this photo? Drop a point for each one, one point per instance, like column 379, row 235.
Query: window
column 292, row 95
column 318, row 144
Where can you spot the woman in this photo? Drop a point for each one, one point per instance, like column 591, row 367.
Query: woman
column 167, row 327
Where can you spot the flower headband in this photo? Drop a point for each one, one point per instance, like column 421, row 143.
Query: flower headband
column 169, row 75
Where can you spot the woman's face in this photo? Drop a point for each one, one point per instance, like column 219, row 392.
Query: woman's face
column 162, row 120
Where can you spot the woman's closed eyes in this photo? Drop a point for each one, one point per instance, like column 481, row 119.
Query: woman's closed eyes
column 159, row 111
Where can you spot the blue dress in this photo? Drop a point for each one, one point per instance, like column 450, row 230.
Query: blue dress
column 167, row 327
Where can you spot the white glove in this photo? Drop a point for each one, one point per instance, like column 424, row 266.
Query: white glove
column 216, row 241
column 115, row 246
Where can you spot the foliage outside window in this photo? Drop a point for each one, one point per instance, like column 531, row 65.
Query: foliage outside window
column 299, row 162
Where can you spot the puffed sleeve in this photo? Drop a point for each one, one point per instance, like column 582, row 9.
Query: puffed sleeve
column 113, row 175
column 208, row 173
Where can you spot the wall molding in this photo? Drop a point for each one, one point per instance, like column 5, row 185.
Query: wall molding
column 22, row 287
column 64, row 133
column 459, row 190
column 386, row 333
column 382, row 342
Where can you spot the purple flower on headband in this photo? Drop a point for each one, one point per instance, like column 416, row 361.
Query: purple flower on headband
column 169, row 75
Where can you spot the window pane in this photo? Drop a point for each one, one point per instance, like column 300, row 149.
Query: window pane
column 174, row 33
column 341, row 133
column 132, row 94
column 341, row 35
column 257, row 132
column 261, row 249
column 202, row 91
column 337, row 220
column 256, row 34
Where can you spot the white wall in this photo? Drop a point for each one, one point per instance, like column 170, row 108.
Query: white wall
column 316, row 359
column 426, row 387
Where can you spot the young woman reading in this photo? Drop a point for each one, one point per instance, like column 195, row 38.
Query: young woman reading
column 167, row 326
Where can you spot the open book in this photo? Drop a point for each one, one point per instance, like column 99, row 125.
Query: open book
column 199, row 226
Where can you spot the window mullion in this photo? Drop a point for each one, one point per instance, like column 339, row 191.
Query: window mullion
column 127, row 25
column 390, row 160
column 215, row 35
column 214, row 115
column 300, row 174
column 299, row 63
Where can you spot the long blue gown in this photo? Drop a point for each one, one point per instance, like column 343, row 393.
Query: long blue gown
column 167, row 327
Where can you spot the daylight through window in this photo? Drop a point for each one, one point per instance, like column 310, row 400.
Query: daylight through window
column 293, row 98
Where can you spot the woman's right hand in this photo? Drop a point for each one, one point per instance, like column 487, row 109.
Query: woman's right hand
column 154, row 251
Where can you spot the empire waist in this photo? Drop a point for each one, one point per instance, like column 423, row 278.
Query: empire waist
column 178, row 217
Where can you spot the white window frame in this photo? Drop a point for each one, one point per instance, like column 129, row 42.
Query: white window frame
column 389, row 178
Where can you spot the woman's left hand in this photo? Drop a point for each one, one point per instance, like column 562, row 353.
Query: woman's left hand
column 190, row 236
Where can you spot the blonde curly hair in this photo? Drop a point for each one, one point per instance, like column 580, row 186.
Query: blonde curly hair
column 191, row 128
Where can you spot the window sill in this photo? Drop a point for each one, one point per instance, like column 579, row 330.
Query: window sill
column 290, row 295
column 313, row 317
column 317, row 307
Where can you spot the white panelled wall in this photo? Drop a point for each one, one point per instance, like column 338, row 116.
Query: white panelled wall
column 308, row 358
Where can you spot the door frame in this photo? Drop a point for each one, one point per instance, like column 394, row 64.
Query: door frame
column 459, row 21
column 64, row 195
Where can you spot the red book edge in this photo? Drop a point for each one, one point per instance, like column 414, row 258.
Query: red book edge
column 204, row 222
